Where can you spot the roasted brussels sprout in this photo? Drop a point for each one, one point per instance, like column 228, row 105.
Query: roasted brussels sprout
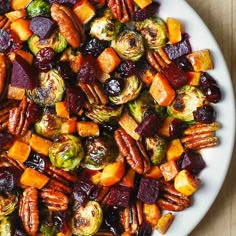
column 129, row 45
column 38, row 8
column 157, row 147
column 6, row 227
column 87, row 219
column 187, row 100
column 56, row 41
column 48, row 230
column 104, row 114
column 154, row 32
column 66, row 152
column 8, row 203
column 51, row 89
column 131, row 90
column 49, row 126
column 99, row 151
column 143, row 104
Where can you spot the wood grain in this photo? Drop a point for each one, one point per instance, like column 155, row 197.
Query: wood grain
column 219, row 17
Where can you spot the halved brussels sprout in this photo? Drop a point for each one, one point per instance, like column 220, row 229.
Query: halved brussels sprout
column 104, row 114
column 187, row 100
column 129, row 45
column 87, row 219
column 48, row 230
column 99, row 152
column 49, row 126
column 131, row 90
column 154, row 32
column 8, row 204
column 51, row 89
column 56, row 41
column 157, row 147
column 66, row 152
column 38, row 8
column 143, row 104
column 5, row 227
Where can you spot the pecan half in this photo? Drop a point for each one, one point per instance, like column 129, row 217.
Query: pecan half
column 69, row 25
column 28, row 210
column 133, row 150
column 4, row 23
column 123, row 10
column 3, row 76
column 170, row 199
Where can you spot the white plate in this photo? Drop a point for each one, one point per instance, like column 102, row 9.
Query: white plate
column 217, row 158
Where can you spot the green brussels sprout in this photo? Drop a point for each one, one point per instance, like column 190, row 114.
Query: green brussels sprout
column 5, row 227
column 143, row 104
column 87, row 219
column 157, row 146
column 38, row 8
column 99, row 152
column 187, row 100
column 104, row 114
column 48, row 230
column 8, row 204
column 56, row 41
column 129, row 45
column 66, row 152
column 51, row 89
column 131, row 90
column 49, row 126
column 154, row 32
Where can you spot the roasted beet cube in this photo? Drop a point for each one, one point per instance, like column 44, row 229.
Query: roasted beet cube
column 145, row 229
column 178, row 49
column 118, row 196
column 148, row 190
column 42, row 26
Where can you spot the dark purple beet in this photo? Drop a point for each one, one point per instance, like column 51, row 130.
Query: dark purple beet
column 193, row 162
column 175, row 75
column 146, row 12
column 23, row 74
column 178, row 49
column 148, row 190
column 42, row 26
column 205, row 114
column 145, row 229
column 5, row 42
column 149, row 126
column 113, row 87
column 5, row 139
column 184, row 63
column 69, row 2
column 4, row 6
column 176, row 128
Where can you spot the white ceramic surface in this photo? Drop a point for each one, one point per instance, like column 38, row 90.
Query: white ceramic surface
column 217, row 158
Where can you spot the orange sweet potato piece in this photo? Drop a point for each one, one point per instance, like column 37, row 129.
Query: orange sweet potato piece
column 155, row 173
column 26, row 55
column 39, row 144
column 33, row 178
column 169, row 170
column 108, row 60
column 174, row 30
column 61, row 109
column 15, row 93
column 15, row 15
column 87, row 128
column 143, row 3
column 174, row 150
column 69, row 126
column 128, row 179
column 19, row 4
column 151, row 213
column 194, row 78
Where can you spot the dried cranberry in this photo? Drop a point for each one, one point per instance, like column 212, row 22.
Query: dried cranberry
column 87, row 73
column 176, row 128
column 5, row 42
column 184, row 63
column 213, row 94
column 146, row 12
column 109, row 127
column 126, row 68
column 205, row 114
column 145, row 229
column 114, row 87
column 33, row 113
column 65, row 71
column 60, row 220
column 206, row 81
column 6, row 139
column 45, row 55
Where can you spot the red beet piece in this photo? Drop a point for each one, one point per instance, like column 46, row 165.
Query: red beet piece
column 146, row 12
column 23, row 74
column 42, row 26
column 178, row 49
column 175, row 75
column 205, row 114
column 193, row 162
column 148, row 190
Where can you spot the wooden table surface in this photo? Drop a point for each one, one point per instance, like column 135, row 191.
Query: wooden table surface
column 219, row 17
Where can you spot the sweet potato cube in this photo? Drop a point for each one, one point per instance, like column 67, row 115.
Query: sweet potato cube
column 69, row 126
column 165, row 222
column 143, row 3
column 174, row 150
column 174, row 30
column 19, row 151
column 39, row 144
column 15, row 93
column 165, row 129
column 61, row 109
column 87, row 128
column 15, row 15
column 169, row 170
column 128, row 123
column 128, row 179
column 155, row 173
column 186, row 183
column 151, row 213
column 84, row 11
column 33, row 178
column 161, row 91
column 194, row 78
column 21, row 28
column 17, row 5
column 108, row 60
column 147, row 76
column 201, row 60
column 26, row 55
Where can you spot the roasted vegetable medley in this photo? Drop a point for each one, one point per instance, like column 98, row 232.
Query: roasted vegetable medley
column 104, row 109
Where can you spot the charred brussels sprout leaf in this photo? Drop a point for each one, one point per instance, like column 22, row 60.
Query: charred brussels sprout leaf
column 188, row 99
column 8, row 203
column 87, row 219
column 129, row 45
column 154, row 32
column 51, row 89
column 6, row 227
column 48, row 230
column 131, row 90
column 157, row 147
column 38, row 8
column 66, row 152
